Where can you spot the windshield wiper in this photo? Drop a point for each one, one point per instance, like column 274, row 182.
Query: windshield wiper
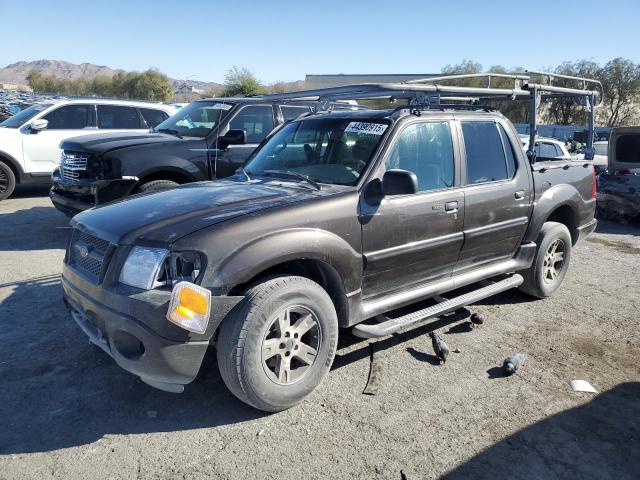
column 170, row 131
column 244, row 172
column 290, row 174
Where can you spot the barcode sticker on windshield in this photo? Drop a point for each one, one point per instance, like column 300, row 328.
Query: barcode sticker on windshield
column 221, row 106
column 365, row 127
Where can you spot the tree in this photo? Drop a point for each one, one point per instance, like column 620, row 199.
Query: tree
column 240, row 81
column 621, row 81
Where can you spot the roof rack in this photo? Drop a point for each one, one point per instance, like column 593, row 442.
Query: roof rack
column 429, row 93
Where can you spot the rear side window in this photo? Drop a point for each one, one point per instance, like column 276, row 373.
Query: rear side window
column 425, row 149
column 256, row 121
column 70, row 117
column 153, row 117
column 118, row 117
column 290, row 112
column 486, row 160
column 628, row 149
column 508, row 149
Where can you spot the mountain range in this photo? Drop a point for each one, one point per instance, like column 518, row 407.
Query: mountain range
column 17, row 73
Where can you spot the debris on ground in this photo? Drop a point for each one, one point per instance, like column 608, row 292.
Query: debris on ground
column 260, row 433
column 582, row 386
column 403, row 476
column 440, row 348
column 513, row 363
column 477, row 319
column 457, row 350
column 373, row 382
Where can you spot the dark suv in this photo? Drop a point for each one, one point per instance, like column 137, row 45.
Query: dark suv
column 337, row 219
column 205, row 140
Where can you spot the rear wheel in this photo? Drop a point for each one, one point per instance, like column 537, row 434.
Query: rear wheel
column 156, row 186
column 7, row 181
column 551, row 262
column 278, row 344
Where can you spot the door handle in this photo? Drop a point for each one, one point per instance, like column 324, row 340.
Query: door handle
column 451, row 206
column 519, row 194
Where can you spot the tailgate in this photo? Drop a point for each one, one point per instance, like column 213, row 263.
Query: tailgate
column 624, row 149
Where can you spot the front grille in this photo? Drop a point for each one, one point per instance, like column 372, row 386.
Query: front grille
column 71, row 164
column 88, row 254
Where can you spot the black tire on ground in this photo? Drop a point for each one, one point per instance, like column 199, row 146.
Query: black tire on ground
column 156, row 186
column 551, row 262
column 7, row 181
column 259, row 337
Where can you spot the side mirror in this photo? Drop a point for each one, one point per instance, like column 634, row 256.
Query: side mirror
column 38, row 125
column 232, row 137
column 399, row 182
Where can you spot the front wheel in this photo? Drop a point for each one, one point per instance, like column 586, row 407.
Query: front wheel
column 278, row 344
column 551, row 262
column 156, row 186
column 7, row 181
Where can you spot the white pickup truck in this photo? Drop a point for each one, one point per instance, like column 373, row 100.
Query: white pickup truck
column 30, row 140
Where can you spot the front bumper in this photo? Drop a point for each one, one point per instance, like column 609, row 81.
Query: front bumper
column 74, row 197
column 160, row 362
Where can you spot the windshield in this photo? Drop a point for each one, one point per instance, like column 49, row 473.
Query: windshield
column 24, row 116
column 329, row 150
column 196, row 119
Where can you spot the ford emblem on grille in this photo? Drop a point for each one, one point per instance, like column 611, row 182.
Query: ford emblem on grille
column 83, row 251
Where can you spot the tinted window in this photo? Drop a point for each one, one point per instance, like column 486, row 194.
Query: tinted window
column 113, row 116
column 485, row 156
column 291, row 112
column 628, row 148
column 425, row 149
column 508, row 147
column 256, row 121
column 153, row 117
column 24, row 116
column 70, row 117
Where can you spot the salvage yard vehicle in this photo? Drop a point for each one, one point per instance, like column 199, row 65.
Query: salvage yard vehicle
column 207, row 139
column 30, row 140
column 619, row 187
column 336, row 220
column 547, row 148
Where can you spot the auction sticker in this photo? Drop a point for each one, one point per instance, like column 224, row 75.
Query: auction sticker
column 221, row 106
column 366, row 127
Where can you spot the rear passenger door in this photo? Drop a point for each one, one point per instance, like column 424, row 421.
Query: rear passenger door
column 257, row 121
column 496, row 192
column 414, row 239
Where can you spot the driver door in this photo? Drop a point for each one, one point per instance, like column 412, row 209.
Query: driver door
column 257, row 121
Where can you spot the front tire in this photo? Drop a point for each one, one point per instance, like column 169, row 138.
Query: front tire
column 551, row 262
column 7, row 181
column 278, row 344
column 156, row 186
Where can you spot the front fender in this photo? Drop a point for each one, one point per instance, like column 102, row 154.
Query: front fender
column 260, row 254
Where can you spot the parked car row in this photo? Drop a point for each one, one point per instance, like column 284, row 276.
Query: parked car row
column 30, row 140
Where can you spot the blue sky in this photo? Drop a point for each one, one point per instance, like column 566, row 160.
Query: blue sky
column 286, row 39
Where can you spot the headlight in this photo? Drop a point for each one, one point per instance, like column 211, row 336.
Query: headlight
column 142, row 266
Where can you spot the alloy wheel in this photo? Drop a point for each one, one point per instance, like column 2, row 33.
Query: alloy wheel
column 553, row 261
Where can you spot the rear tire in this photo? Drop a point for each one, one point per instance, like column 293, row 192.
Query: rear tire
column 551, row 262
column 156, row 186
column 278, row 344
column 7, row 181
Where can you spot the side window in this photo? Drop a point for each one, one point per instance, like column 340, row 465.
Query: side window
column 486, row 160
column 425, row 149
column 508, row 148
column 153, row 117
column 559, row 152
column 115, row 116
column 256, row 121
column 289, row 112
column 70, row 117
column 547, row 151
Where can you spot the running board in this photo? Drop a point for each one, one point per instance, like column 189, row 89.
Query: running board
column 393, row 325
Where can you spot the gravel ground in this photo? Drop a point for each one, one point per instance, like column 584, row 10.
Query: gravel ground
column 67, row 411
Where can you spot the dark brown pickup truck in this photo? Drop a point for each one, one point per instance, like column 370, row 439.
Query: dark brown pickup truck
column 336, row 220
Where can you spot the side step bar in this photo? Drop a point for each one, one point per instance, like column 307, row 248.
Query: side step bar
column 393, row 325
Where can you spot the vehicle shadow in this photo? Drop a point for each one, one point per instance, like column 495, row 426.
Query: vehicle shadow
column 35, row 228
column 615, row 228
column 59, row 391
column 31, row 191
column 600, row 439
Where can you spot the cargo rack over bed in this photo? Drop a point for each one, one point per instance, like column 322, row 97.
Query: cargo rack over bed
column 430, row 93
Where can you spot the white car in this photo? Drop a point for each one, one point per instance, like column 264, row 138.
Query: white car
column 547, row 148
column 600, row 157
column 29, row 140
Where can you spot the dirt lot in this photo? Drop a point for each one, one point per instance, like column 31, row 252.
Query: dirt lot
column 67, row 411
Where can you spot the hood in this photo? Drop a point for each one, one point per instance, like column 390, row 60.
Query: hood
column 624, row 148
column 104, row 142
column 164, row 217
